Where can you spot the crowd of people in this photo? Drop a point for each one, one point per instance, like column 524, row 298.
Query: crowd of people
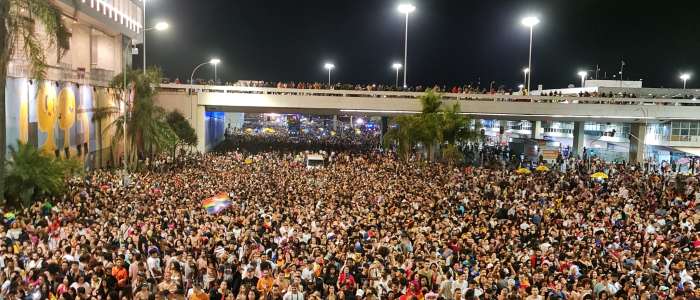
column 366, row 226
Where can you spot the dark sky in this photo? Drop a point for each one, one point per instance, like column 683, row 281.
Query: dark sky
column 450, row 41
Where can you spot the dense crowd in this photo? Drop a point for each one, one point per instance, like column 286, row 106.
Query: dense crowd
column 366, row 226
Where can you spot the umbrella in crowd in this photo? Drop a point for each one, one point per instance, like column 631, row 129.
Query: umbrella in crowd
column 599, row 176
column 542, row 168
column 523, row 171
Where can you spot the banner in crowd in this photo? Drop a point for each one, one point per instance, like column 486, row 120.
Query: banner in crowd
column 216, row 204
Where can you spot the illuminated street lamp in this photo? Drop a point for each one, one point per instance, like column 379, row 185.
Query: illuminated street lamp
column 215, row 62
column 583, row 75
column 685, row 77
column 530, row 22
column 406, row 9
column 329, row 67
column 397, row 67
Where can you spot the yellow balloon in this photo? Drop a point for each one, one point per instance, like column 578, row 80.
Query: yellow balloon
column 46, row 111
column 66, row 110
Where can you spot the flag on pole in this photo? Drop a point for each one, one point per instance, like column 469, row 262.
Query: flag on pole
column 217, row 203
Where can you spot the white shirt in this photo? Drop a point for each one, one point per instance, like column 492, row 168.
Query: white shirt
column 297, row 296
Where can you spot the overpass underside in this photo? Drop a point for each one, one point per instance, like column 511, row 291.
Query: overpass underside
column 195, row 104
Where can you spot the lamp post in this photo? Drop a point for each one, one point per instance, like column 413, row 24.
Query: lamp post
column 397, row 67
column 160, row 26
column 406, row 9
column 530, row 22
column 329, row 67
column 525, row 72
column 215, row 62
column 583, row 75
column 685, row 77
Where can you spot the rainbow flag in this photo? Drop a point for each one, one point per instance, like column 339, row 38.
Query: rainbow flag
column 216, row 204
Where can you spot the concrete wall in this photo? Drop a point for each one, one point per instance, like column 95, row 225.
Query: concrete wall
column 383, row 106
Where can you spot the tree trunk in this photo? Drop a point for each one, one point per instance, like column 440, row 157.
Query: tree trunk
column 4, row 60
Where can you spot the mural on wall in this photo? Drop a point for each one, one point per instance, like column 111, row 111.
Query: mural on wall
column 55, row 117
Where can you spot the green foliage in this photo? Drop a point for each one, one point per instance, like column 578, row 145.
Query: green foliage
column 146, row 127
column 452, row 155
column 32, row 174
column 431, row 128
column 431, row 102
column 182, row 128
column 21, row 20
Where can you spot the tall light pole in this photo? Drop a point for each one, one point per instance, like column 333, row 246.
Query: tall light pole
column 160, row 26
column 583, row 75
column 397, row 67
column 215, row 62
column 685, row 77
column 525, row 72
column 530, row 22
column 406, row 9
column 329, row 67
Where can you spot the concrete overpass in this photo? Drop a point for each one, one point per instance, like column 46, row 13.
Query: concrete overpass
column 195, row 100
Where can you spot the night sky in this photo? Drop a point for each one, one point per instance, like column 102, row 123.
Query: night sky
column 450, row 41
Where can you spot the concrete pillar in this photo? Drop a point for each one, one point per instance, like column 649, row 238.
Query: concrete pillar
column 385, row 126
column 200, row 129
column 637, row 136
column 335, row 123
column 579, row 139
column 536, row 130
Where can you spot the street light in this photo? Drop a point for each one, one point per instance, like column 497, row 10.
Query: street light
column 525, row 72
column 329, row 67
column 530, row 22
column 583, row 75
column 406, row 9
column 397, row 67
column 215, row 62
column 160, row 26
column 685, row 77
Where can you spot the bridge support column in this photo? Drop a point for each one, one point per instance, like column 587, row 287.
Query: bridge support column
column 536, row 130
column 385, row 127
column 200, row 128
column 335, row 123
column 579, row 139
column 638, row 134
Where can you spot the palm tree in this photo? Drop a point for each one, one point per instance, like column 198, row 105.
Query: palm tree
column 431, row 102
column 403, row 135
column 17, row 29
column 147, row 131
column 456, row 127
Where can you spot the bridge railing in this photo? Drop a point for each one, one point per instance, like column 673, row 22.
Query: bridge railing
column 565, row 99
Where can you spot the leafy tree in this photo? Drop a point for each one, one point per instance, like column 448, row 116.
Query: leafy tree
column 456, row 127
column 182, row 128
column 32, row 174
column 147, row 131
column 18, row 19
column 431, row 102
column 403, row 135
column 432, row 128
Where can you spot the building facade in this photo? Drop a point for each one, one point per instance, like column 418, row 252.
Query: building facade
column 56, row 114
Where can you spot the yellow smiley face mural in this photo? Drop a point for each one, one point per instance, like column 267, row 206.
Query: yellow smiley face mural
column 66, row 113
column 46, row 113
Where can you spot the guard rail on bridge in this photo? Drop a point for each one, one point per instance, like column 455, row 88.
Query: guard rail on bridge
column 565, row 99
